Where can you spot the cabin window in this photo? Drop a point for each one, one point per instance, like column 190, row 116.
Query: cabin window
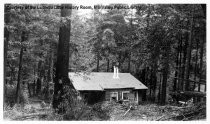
column 125, row 95
column 113, row 96
column 136, row 96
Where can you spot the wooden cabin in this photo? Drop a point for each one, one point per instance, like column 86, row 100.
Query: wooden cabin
column 101, row 86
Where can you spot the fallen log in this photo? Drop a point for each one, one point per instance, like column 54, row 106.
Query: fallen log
column 160, row 118
column 187, row 115
column 174, row 107
column 30, row 116
column 190, row 93
column 183, row 116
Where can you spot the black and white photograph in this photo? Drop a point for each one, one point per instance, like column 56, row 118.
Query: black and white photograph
column 104, row 61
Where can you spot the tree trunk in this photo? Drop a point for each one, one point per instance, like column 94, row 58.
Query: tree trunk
column 23, row 38
column 154, row 80
column 6, row 40
column 177, row 66
column 160, row 85
column 201, row 62
column 165, row 73
column 131, row 40
column 148, row 18
column 180, row 64
column 34, row 84
column 150, row 84
column 97, row 62
column 164, row 84
column 38, row 86
column 107, row 69
column 187, row 71
column 202, row 47
column 119, row 61
column 38, row 82
column 49, row 78
column 204, row 9
column 183, row 62
column 52, row 66
column 146, row 81
column 142, row 78
column 147, row 30
column 154, row 72
column 195, row 67
column 176, row 73
column 49, row 71
column 129, row 62
column 62, row 64
column 29, row 89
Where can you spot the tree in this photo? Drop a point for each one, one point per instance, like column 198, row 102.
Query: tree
column 187, row 71
column 62, row 64
column 202, row 45
column 23, row 38
column 6, row 40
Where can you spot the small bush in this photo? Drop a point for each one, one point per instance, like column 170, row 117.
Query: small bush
column 100, row 111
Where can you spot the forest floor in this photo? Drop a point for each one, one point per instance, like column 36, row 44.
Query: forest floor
column 154, row 112
column 33, row 110
column 37, row 110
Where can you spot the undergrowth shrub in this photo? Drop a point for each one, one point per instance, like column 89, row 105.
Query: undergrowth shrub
column 75, row 108
column 11, row 95
column 16, row 110
column 100, row 111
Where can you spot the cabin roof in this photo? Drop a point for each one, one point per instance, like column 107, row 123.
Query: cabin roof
column 98, row 81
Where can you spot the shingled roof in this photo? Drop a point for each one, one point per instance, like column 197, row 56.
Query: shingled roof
column 99, row 81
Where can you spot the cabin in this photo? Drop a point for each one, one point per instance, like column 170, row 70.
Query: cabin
column 108, row 86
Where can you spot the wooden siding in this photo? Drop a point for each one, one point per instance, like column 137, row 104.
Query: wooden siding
column 94, row 96
column 140, row 95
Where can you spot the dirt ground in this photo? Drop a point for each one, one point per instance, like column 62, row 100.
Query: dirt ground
column 109, row 111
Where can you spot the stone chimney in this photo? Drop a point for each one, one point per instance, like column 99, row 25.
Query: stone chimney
column 117, row 72
column 114, row 75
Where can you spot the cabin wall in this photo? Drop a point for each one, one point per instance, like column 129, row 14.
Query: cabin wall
column 140, row 95
column 92, row 97
column 132, row 94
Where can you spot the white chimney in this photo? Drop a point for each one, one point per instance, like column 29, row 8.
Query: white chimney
column 117, row 74
column 114, row 76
